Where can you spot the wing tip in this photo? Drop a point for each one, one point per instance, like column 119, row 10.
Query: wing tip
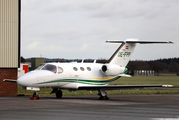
column 170, row 42
column 167, row 86
column 9, row 80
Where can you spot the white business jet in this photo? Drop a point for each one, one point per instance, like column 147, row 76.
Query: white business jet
column 84, row 76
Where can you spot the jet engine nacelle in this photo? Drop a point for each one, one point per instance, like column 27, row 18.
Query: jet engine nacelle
column 111, row 69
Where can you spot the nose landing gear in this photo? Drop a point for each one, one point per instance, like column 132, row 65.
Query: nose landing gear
column 35, row 96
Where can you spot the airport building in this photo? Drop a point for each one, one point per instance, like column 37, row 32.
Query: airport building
column 9, row 45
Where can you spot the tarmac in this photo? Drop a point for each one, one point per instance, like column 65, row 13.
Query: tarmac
column 118, row 107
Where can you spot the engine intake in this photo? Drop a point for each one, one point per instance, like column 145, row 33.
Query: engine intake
column 112, row 70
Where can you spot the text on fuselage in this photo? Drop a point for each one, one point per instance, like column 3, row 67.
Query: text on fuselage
column 124, row 54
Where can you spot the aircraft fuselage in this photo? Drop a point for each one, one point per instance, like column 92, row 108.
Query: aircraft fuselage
column 66, row 75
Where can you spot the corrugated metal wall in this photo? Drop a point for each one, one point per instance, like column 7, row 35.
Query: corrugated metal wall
column 9, row 33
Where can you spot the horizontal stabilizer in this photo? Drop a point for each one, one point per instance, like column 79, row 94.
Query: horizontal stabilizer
column 9, row 80
column 141, row 42
column 115, row 87
column 124, row 52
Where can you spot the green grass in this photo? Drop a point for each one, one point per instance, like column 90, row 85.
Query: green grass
column 147, row 80
column 157, row 80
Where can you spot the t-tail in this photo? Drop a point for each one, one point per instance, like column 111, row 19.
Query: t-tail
column 123, row 54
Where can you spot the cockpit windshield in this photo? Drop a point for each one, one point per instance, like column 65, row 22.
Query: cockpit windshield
column 40, row 67
column 49, row 67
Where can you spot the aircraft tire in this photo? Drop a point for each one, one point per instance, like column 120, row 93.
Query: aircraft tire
column 103, row 98
column 35, row 95
column 59, row 94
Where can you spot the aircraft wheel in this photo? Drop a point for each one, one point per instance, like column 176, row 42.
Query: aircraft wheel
column 35, row 94
column 106, row 98
column 59, row 94
column 103, row 98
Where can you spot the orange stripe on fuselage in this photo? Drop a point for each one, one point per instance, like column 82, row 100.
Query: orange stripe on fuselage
column 103, row 78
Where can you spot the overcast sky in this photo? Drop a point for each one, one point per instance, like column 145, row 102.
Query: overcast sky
column 79, row 28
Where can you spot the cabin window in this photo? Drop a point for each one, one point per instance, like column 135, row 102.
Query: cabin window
column 75, row 69
column 60, row 70
column 82, row 69
column 88, row 68
column 49, row 67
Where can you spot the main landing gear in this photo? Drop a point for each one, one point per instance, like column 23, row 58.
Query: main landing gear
column 35, row 96
column 103, row 95
column 58, row 92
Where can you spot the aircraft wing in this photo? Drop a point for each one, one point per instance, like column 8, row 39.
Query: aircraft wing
column 124, row 75
column 9, row 80
column 118, row 87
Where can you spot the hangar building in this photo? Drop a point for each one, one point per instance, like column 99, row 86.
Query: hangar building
column 9, row 45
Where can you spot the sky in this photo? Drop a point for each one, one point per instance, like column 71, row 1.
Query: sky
column 78, row 29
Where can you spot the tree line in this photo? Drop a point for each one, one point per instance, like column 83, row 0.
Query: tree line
column 170, row 65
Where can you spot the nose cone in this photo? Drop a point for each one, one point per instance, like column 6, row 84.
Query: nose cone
column 31, row 78
column 24, row 80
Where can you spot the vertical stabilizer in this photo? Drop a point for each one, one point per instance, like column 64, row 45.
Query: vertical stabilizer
column 123, row 54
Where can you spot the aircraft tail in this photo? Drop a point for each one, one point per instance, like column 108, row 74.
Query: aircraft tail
column 123, row 54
